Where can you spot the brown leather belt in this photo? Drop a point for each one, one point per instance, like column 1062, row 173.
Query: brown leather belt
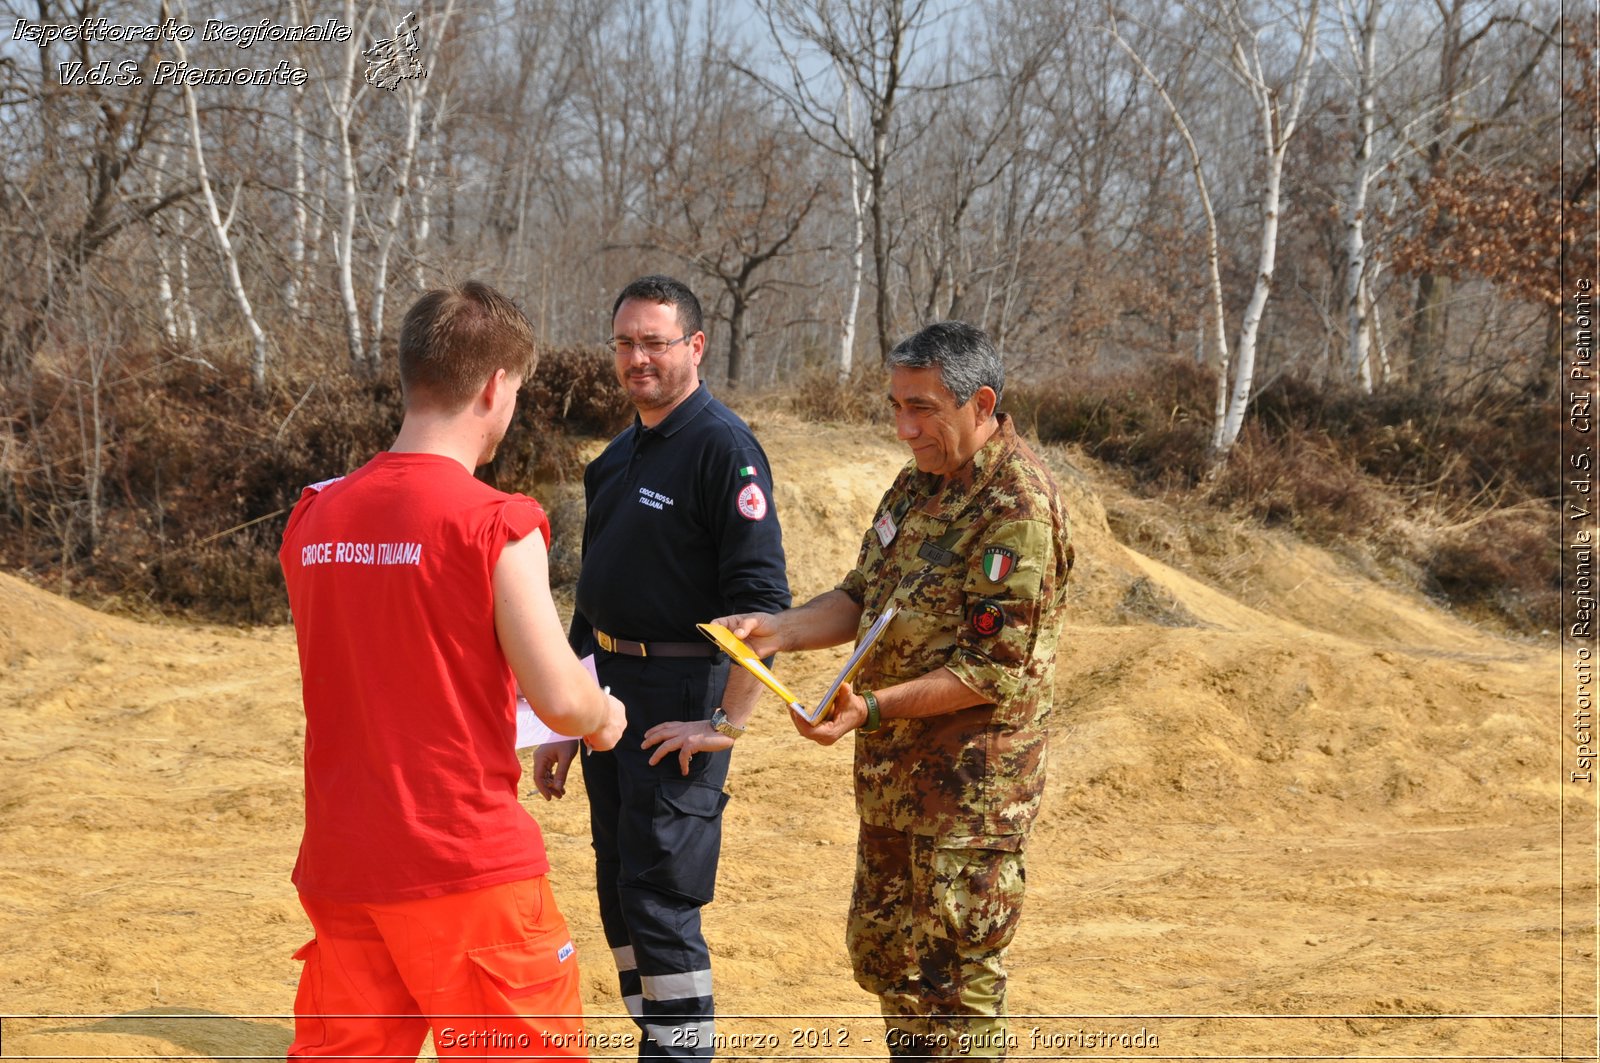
column 653, row 649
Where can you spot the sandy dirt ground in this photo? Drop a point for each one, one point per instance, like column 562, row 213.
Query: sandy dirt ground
column 1292, row 812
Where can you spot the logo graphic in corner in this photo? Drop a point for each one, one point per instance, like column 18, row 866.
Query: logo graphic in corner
column 564, row 953
column 394, row 59
column 998, row 563
column 987, row 617
column 752, row 503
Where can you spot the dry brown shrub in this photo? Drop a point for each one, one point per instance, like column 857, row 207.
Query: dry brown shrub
column 1153, row 421
column 199, row 474
column 1504, row 564
column 572, row 395
column 1301, row 482
column 820, row 395
column 564, row 505
column 1370, row 473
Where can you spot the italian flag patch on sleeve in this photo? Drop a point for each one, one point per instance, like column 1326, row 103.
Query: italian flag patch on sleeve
column 998, row 562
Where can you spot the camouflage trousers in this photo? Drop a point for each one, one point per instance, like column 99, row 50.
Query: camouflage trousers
column 928, row 930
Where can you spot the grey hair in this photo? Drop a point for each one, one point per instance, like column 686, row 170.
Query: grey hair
column 963, row 354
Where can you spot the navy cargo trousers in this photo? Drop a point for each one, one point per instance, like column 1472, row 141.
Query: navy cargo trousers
column 657, row 835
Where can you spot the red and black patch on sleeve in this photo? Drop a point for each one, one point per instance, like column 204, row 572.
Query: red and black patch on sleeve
column 987, row 617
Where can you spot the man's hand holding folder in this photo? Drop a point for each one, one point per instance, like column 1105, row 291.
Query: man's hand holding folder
column 759, row 631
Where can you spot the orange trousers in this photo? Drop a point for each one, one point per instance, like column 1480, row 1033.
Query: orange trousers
column 491, row 971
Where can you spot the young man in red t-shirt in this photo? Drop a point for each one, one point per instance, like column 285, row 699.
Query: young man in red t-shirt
column 421, row 599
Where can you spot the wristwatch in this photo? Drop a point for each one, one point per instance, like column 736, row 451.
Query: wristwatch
column 722, row 725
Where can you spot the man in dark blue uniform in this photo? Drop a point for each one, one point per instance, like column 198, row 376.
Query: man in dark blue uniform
column 680, row 528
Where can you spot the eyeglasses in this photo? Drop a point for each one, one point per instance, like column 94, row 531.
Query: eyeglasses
column 652, row 348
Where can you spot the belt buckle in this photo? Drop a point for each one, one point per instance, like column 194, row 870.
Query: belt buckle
column 606, row 642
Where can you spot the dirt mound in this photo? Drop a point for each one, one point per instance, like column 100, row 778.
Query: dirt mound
column 1281, row 799
column 36, row 623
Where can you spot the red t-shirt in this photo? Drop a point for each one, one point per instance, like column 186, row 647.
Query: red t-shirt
column 410, row 766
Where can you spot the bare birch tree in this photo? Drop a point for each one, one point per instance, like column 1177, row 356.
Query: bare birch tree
column 164, row 290
column 859, row 201
column 1367, row 74
column 1275, row 108
column 220, row 227
column 1361, row 37
column 344, row 91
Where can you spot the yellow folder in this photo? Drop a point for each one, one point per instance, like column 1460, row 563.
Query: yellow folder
column 735, row 647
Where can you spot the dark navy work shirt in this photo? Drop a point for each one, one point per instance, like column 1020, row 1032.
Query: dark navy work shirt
column 680, row 528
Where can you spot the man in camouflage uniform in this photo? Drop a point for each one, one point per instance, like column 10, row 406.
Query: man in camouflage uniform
column 970, row 545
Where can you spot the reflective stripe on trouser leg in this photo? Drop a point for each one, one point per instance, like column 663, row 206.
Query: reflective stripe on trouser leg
column 628, row 979
column 674, row 976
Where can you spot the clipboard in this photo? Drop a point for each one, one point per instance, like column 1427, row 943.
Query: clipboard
column 848, row 672
column 735, row 647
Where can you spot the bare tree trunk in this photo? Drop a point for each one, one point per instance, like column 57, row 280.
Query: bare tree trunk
column 1217, row 316
column 1357, row 290
column 93, row 427
column 880, row 262
column 422, row 228
column 1278, row 125
column 302, row 211
column 319, row 223
column 1379, row 351
column 219, row 232
column 847, row 332
column 1428, row 323
column 344, row 248
column 736, row 315
column 1250, row 328
column 424, row 212
column 169, row 312
column 1430, row 317
column 344, row 104
column 191, row 327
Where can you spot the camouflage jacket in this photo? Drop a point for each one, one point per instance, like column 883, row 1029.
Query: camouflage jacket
column 979, row 572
